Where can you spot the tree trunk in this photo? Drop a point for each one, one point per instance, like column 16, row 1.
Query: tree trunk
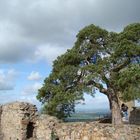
column 110, row 102
column 116, row 111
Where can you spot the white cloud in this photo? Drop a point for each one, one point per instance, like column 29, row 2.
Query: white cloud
column 100, row 101
column 49, row 52
column 34, row 76
column 12, row 96
column 31, row 89
column 7, row 79
column 31, row 99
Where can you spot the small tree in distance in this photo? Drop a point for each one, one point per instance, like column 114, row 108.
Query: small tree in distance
column 99, row 60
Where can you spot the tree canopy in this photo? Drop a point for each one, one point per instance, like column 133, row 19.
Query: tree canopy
column 99, row 60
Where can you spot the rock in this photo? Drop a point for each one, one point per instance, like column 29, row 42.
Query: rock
column 20, row 121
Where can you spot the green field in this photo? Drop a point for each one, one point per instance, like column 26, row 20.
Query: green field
column 87, row 116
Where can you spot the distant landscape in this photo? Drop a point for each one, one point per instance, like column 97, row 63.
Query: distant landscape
column 88, row 115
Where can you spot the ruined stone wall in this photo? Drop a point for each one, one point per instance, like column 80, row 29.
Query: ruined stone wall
column 20, row 121
column 135, row 116
column 45, row 126
column 17, row 121
column 86, row 131
column 0, row 122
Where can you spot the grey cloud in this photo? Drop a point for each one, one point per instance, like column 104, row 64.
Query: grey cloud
column 7, row 79
column 5, row 86
column 57, row 22
column 31, row 89
column 18, row 97
column 5, row 97
column 15, row 53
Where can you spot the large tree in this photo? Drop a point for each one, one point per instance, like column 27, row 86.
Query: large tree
column 99, row 60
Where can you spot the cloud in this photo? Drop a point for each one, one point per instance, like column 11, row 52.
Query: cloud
column 26, row 31
column 31, row 99
column 7, row 79
column 31, row 89
column 34, row 76
column 5, row 97
column 49, row 52
column 100, row 101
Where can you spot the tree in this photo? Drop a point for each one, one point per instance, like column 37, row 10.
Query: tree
column 100, row 60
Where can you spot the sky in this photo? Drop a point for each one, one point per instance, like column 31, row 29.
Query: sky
column 34, row 32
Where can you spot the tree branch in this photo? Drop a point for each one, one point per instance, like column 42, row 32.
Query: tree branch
column 105, row 79
column 98, row 85
column 121, row 66
column 75, row 82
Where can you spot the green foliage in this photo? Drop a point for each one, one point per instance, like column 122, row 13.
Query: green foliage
column 101, row 60
column 54, row 135
column 129, row 82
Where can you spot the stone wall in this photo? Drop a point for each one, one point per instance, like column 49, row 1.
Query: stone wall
column 87, row 131
column 20, row 121
column 0, row 122
column 135, row 116
column 45, row 126
column 97, row 131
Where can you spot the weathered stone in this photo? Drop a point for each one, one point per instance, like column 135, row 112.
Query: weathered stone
column 16, row 121
column 20, row 121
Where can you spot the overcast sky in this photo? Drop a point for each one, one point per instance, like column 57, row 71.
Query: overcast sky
column 34, row 32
